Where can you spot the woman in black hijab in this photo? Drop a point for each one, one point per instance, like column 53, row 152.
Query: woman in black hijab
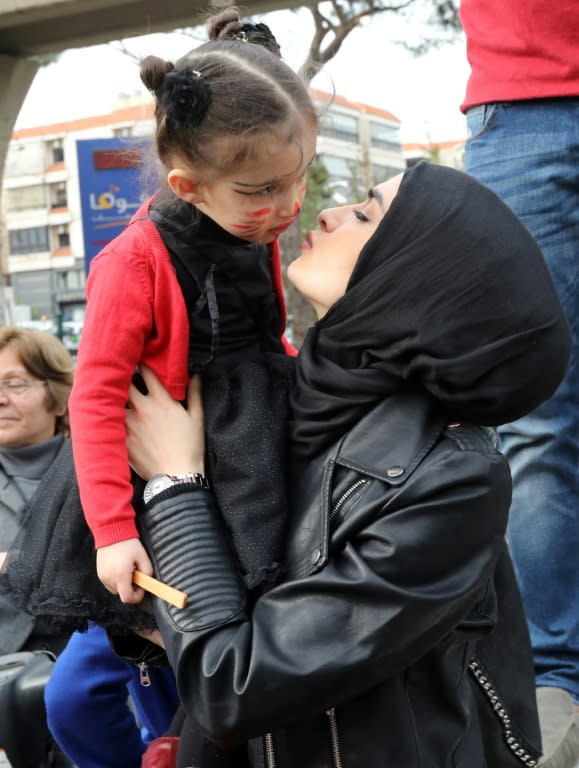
column 397, row 637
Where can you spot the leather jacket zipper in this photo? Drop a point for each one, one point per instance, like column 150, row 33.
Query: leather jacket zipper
column 270, row 760
column 144, row 677
column 346, row 495
column 334, row 736
column 499, row 709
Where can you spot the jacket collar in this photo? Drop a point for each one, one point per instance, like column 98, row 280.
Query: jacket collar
column 387, row 444
column 390, row 441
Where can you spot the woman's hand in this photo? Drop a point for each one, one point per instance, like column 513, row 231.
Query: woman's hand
column 162, row 436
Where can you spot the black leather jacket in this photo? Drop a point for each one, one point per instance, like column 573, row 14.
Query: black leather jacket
column 398, row 640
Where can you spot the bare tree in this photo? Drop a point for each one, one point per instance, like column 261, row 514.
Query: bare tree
column 336, row 19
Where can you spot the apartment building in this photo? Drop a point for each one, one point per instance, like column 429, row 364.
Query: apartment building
column 43, row 239
column 449, row 153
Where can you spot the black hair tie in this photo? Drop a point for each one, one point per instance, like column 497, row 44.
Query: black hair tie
column 260, row 34
column 185, row 96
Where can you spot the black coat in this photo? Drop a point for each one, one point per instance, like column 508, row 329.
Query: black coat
column 398, row 639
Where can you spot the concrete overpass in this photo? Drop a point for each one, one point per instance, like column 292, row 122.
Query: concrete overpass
column 33, row 27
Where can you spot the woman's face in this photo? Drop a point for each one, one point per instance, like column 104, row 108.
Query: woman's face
column 328, row 257
column 24, row 416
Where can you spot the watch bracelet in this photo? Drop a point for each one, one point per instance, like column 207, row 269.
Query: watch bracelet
column 191, row 477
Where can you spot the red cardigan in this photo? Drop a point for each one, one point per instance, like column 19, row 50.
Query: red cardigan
column 135, row 314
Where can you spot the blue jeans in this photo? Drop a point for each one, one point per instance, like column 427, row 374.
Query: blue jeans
column 86, row 703
column 528, row 153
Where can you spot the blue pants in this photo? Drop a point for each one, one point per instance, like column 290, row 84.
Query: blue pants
column 87, row 704
column 528, row 153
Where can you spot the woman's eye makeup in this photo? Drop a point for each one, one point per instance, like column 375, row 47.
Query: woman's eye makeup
column 360, row 216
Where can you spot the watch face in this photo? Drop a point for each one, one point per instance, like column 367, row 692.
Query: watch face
column 156, row 485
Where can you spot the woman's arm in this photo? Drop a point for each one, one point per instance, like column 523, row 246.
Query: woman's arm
column 385, row 599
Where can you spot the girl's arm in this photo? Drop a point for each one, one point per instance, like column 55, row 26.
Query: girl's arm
column 118, row 321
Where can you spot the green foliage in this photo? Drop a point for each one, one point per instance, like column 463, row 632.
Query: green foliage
column 44, row 59
column 318, row 195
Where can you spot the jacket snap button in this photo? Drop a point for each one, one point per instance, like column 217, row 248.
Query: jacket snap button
column 316, row 555
column 395, row 471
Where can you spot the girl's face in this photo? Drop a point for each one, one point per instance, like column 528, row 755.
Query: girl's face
column 24, row 416
column 329, row 255
column 261, row 199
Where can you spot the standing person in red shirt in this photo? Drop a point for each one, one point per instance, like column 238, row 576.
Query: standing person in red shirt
column 522, row 108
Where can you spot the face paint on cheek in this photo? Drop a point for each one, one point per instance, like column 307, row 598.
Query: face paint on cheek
column 259, row 214
column 301, row 195
column 246, row 227
column 252, row 225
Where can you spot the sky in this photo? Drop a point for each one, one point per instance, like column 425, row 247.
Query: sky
column 424, row 92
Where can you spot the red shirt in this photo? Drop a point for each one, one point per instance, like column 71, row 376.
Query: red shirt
column 520, row 49
column 135, row 314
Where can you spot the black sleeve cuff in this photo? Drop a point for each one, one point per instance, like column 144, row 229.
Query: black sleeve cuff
column 185, row 536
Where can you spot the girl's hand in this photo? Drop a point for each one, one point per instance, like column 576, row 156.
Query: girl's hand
column 162, row 436
column 115, row 565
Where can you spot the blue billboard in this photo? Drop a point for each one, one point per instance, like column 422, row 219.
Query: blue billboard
column 111, row 189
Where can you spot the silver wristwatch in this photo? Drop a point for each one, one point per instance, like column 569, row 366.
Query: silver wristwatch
column 160, row 483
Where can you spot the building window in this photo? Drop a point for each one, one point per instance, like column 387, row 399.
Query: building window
column 33, row 240
column 384, row 136
column 25, row 198
column 70, row 280
column 339, row 167
column 382, row 173
column 124, row 132
column 63, row 237
column 58, row 198
column 57, row 151
column 340, row 126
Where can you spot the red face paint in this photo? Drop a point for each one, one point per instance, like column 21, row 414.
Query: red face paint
column 260, row 213
column 246, row 227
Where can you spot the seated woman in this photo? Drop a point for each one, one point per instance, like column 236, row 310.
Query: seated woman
column 397, row 638
column 85, row 702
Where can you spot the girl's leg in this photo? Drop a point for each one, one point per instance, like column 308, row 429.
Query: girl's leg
column 87, row 704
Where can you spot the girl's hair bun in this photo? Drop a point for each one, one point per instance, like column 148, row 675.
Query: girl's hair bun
column 185, row 96
column 228, row 26
column 153, row 71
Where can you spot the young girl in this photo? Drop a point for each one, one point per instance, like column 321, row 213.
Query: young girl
column 194, row 283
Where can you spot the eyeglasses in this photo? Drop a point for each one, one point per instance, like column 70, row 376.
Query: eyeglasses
column 18, row 387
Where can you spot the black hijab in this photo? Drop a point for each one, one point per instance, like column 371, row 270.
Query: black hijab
column 450, row 294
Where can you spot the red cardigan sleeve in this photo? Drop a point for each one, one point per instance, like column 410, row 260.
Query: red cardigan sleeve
column 119, row 319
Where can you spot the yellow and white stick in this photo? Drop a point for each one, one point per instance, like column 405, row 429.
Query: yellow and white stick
column 164, row 591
